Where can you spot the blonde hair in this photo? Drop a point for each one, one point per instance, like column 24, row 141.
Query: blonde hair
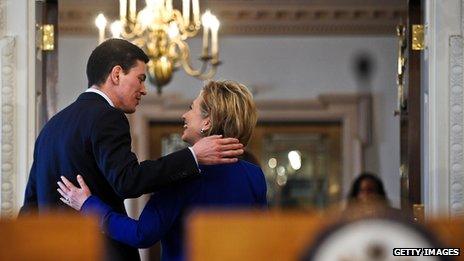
column 231, row 109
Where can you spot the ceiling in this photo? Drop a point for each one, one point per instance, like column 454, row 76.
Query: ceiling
column 262, row 17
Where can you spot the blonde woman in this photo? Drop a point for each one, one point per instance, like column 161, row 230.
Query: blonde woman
column 222, row 108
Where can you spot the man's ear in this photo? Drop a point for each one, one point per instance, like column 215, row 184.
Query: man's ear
column 115, row 73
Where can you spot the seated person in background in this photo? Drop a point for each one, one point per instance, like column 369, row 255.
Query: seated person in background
column 222, row 107
column 368, row 188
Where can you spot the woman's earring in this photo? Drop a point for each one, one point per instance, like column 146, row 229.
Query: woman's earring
column 202, row 131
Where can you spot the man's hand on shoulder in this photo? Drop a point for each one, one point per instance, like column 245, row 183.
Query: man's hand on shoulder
column 214, row 149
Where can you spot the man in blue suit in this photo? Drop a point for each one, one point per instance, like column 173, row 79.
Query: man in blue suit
column 91, row 137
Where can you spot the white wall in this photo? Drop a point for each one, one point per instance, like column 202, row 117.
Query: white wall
column 443, row 124
column 286, row 67
column 17, row 84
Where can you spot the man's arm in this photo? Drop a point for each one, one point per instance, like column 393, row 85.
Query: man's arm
column 214, row 149
column 111, row 144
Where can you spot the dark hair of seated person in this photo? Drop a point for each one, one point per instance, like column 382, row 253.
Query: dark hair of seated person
column 367, row 186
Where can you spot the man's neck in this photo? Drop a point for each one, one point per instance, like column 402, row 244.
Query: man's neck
column 107, row 92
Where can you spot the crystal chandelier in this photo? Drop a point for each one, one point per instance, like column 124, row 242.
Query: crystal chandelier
column 161, row 31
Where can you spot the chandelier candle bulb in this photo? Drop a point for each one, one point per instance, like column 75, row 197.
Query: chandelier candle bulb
column 158, row 11
column 214, row 37
column 205, row 41
column 169, row 6
column 206, row 21
column 214, row 44
column 150, row 4
column 100, row 22
column 173, row 31
column 122, row 10
column 116, row 29
column 132, row 10
column 186, row 11
column 145, row 17
column 196, row 11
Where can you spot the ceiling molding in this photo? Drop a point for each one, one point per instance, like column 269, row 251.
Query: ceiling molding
column 259, row 17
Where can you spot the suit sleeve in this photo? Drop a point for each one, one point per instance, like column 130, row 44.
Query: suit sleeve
column 111, row 144
column 158, row 216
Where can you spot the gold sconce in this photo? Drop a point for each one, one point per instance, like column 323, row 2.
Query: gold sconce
column 46, row 37
column 418, row 37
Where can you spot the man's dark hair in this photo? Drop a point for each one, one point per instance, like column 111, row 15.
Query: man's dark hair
column 109, row 54
column 380, row 191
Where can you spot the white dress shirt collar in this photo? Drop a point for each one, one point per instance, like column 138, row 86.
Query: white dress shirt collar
column 95, row 90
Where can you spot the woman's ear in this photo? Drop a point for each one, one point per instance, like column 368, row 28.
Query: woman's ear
column 115, row 73
column 206, row 124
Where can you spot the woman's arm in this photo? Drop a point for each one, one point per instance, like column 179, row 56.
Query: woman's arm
column 156, row 219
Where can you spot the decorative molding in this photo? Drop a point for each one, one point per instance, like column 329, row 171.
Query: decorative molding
column 2, row 17
column 462, row 18
column 308, row 18
column 8, row 87
column 456, row 125
column 258, row 17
